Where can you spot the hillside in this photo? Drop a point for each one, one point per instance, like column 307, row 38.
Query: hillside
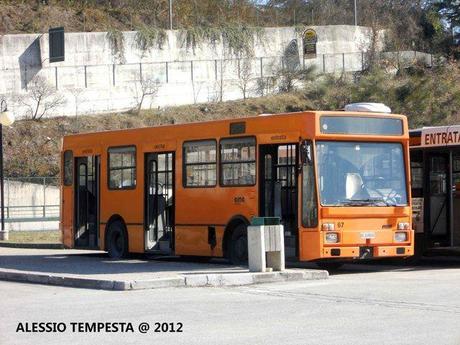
column 426, row 96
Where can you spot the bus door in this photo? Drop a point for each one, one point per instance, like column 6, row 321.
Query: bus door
column 438, row 199
column 159, row 202
column 278, row 189
column 87, row 201
column 456, row 198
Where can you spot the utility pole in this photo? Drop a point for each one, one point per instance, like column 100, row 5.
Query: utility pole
column 170, row 15
column 356, row 13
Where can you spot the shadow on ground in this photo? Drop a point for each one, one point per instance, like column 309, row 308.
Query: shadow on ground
column 98, row 263
column 87, row 263
column 387, row 265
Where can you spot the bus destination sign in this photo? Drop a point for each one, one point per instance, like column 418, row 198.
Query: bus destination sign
column 440, row 136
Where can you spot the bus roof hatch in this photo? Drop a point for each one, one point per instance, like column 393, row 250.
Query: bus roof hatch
column 368, row 107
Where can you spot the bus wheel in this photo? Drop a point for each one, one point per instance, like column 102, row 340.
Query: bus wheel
column 239, row 245
column 329, row 266
column 117, row 241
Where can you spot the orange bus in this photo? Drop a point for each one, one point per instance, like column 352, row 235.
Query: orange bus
column 339, row 182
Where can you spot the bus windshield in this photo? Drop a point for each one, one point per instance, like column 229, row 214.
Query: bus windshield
column 361, row 174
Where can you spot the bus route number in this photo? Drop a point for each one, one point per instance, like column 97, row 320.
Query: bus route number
column 340, row 225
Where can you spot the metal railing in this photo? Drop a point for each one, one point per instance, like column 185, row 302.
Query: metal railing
column 96, row 76
column 32, row 199
column 34, row 213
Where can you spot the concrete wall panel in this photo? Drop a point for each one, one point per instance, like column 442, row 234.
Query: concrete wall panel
column 101, row 82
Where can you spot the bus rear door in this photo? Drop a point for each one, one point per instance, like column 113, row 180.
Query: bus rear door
column 159, row 202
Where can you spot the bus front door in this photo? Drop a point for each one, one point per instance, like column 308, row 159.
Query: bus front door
column 159, row 202
column 86, row 202
column 438, row 207
column 278, row 189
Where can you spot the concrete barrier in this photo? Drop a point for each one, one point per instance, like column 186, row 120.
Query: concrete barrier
column 265, row 246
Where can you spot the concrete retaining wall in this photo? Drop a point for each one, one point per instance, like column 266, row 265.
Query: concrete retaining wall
column 93, row 79
column 27, row 201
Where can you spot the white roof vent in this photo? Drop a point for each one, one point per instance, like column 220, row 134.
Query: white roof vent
column 368, row 107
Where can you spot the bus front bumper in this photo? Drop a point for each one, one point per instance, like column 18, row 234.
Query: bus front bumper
column 368, row 252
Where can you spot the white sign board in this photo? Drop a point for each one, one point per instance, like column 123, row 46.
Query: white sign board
column 440, row 136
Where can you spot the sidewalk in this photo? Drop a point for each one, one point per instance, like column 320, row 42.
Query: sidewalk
column 95, row 270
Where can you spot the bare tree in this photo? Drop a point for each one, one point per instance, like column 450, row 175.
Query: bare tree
column 148, row 87
column 41, row 98
column 266, row 85
column 196, row 89
column 220, row 81
column 76, row 93
column 288, row 79
column 246, row 77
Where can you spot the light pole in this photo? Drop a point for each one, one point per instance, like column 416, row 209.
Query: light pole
column 6, row 119
column 170, row 15
column 356, row 13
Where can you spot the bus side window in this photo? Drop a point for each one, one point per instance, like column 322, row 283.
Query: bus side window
column 200, row 163
column 68, row 168
column 309, row 200
column 416, row 165
column 122, row 167
column 238, row 161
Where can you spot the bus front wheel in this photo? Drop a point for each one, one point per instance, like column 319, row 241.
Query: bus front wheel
column 239, row 245
column 117, row 241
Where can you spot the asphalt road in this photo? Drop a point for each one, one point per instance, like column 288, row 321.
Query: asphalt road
column 359, row 305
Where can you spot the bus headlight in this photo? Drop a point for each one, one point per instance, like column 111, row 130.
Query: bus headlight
column 403, row 226
column 400, row 236
column 328, row 226
column 332, row 237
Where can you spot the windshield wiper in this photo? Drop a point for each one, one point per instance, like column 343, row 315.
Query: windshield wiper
column 368, row 201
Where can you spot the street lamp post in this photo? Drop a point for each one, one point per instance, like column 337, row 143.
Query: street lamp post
column 6, row 119
column 356, row 13
column 170, row 15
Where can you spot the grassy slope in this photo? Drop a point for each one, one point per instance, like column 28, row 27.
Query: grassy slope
column 32, row 17
column 32, row 148
column 426, row 96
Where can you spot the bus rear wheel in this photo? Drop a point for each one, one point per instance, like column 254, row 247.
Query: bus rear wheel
column 239, row 245
column 117, row 241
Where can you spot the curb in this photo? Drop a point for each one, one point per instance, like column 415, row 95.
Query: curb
column 32, row 245
column 186, row 280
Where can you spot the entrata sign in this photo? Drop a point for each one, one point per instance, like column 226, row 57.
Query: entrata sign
column 440, row 136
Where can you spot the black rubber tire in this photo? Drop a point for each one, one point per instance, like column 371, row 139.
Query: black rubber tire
column 329, row 266
column 239, row 245
column 117, row 240
column 194, row 258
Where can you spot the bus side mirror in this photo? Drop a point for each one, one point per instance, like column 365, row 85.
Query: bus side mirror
column 305, row 153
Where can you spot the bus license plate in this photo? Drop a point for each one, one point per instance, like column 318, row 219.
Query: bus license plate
column 367, row 235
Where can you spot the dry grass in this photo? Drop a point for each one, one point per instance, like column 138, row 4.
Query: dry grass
column 53, row 236
column 33, row 17
column 32, row 147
